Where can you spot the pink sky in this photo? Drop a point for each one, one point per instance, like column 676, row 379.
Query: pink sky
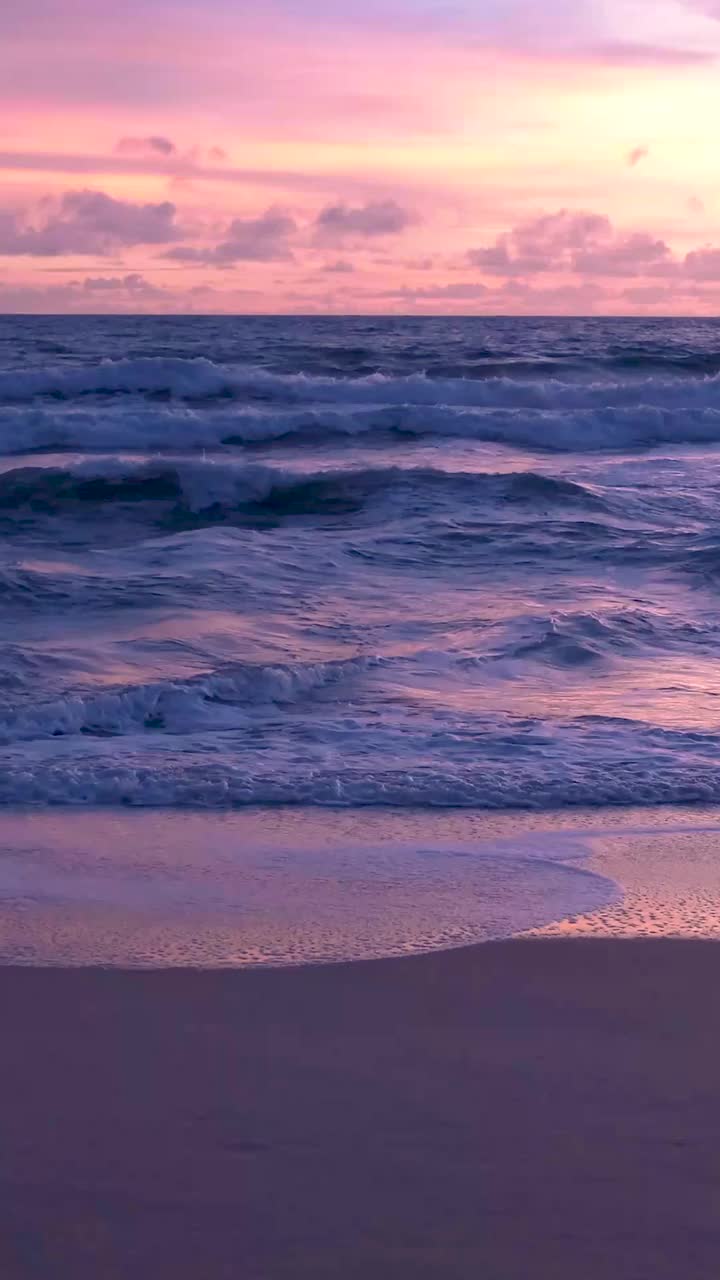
column 480, row 156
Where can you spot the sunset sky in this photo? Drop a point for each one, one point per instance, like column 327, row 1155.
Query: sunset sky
column 476, row 156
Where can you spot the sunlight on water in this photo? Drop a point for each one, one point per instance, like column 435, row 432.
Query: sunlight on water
column 472, row 563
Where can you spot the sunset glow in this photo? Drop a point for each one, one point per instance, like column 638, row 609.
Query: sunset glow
column 408, row 156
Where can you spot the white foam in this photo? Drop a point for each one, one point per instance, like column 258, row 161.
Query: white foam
column 542, row 413
column 218, row 701
column 234, row 758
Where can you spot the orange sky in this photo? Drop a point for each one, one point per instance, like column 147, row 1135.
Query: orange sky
column 394, row 156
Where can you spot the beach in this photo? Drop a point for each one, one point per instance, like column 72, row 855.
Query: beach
column 359, row 640
column 359, row 796
column 525, row 1108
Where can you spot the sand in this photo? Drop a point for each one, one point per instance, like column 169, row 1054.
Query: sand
column 521, row 1109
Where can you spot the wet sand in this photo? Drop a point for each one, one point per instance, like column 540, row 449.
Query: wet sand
column 521, row 1109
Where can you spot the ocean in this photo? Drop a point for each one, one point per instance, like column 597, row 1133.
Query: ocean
column 351, row 563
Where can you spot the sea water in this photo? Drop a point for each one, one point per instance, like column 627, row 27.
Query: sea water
column 358, row 563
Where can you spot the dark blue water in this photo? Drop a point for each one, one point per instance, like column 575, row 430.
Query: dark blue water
column 330, row 562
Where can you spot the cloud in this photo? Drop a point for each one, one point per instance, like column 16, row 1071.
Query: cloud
column 636, row 155
column 587, row 245
column 562, row 29
column 703, row 264
column 461, row 290
column 263, row 239
column 191, row 165
column 376, row 218
column 152, row 146
column 339, row 268
column 585, row 298
column 92, row 295
column 648, row 294
column 710, row 8
column 626, row 53
column 630, row 255
column 418, row 264
column 87, row 222
column 132, row 284
column 542, row 244
column 582, row 243
column 695, row 204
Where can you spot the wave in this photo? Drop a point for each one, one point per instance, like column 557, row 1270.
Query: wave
column 216, row 488
column 200, row 379
column 571, row 639
column 27, row 589
column 203, row 782
column 218, row 700
column 195, row 378
column 555, row 427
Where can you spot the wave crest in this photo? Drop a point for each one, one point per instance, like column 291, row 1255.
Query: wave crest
column 218, row 700
column 224, row 486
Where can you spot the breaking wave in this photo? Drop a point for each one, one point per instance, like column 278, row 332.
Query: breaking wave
column 228, row 485
column 212, row 405
column 216, row 700
column 467, row 563
column 204, row 782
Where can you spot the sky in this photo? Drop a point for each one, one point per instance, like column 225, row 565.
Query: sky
column 360, row 156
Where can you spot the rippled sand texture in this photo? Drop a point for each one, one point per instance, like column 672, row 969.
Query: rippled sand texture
column 670, row 882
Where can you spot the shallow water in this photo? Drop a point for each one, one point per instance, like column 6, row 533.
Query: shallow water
column 273, row 887
column 287, row 886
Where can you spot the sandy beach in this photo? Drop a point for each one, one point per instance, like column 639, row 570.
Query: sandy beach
column 527, row 1108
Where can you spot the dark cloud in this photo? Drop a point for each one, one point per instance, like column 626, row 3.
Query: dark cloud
column 339, row 268
column 87, row 222
column 376, row 218
column 263, row 239
column 154, row 145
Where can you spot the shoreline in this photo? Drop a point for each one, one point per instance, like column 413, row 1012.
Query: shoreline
column 263, row 888
column 531, row 1106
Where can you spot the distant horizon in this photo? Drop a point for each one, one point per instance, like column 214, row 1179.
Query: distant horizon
column 348, row 315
